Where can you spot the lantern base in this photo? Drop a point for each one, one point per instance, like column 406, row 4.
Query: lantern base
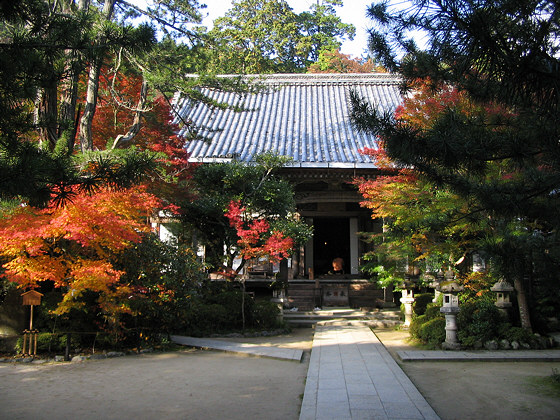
column 450, row 346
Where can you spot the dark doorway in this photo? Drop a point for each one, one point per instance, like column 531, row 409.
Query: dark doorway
column 331, row 239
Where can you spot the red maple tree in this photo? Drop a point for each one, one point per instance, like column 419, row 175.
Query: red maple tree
column 116, row 114
column 72, row 246
column 256, row 238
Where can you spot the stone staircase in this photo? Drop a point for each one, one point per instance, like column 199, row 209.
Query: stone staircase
column 379, row 318
column 360, row 294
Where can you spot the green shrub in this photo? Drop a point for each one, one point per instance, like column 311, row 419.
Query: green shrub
column 479, row 321
column 429, row 327
column 415, row 325
column 50, row 343
column 433, row 311
column 210, row 317
column 265, row 315
column 518, row 334
column 421, row 301
column 432, row 332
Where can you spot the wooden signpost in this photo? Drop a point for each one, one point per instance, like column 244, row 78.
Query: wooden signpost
column 31, row 298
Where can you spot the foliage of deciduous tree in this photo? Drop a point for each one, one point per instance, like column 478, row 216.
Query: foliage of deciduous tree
column 501, row 54
column 266, row 36
column 256, row 238
column 73, row 246
column 425, row 224
column 268, row 203
column 111, row 129
column 333, row 61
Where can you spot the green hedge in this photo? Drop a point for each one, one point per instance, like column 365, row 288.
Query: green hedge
column 50, row 343
column 421, row 301
column 432, row 332
column 429, row 327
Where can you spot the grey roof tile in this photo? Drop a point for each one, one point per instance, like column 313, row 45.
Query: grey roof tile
column 305, row 116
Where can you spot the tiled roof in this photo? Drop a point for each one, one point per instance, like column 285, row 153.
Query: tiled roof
column 305, row 116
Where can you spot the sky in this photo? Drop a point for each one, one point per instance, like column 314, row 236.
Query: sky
column 353, row 11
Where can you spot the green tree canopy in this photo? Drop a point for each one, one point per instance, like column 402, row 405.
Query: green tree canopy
column 266, row 36
column 333, row 61
column 255, row 187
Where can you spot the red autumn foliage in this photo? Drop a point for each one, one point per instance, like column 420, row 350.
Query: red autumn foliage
column 72, row 245
column 256, row 239
column 115, row 114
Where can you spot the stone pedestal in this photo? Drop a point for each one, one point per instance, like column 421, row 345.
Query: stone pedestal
column 407, row 300
column 450, row 289
column 451, row 342
column 279, row 298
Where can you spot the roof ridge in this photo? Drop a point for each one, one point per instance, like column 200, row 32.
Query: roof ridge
column 328, row 78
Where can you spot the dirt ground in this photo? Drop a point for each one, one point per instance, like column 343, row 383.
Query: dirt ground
column 481, row 390
column 202, row 384
column 189, row 384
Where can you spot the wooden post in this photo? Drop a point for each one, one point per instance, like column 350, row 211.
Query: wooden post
column 31, row 298
column 24, row 342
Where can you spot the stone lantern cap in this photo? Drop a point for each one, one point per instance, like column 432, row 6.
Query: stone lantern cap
column 450, row 287
column 502, row 286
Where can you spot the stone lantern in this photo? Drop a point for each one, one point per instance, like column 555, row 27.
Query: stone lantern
column 450, row 289
column 502, row 290
column 407, row 299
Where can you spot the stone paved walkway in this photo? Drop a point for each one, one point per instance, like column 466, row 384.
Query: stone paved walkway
column 480, row 356
column 352, row 376
column 250, row 349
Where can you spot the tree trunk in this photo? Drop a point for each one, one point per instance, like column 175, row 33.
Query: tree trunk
column 86, row 141
column 46, row 117
column 243, row 303
column 524, row 314
column 124, row 140
column 68, row 123
column 68, row 100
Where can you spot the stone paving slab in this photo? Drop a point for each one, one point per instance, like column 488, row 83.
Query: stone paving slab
column 480, row 356
column 243, row 348
column 352, row 376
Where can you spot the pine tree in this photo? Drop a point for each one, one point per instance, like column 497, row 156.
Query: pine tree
column 502, row 54
column 52, row 55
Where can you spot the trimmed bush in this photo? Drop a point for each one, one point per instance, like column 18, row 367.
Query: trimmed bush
column 429, row 327
column 265, row 315
column 433, row 311
column 415, row 325
column 421, row 301
column 479, row 321
column 432, row 332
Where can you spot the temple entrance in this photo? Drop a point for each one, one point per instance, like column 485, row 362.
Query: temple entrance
column 331, row 239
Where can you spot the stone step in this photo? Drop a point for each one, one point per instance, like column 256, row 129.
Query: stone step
column 378, row 319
